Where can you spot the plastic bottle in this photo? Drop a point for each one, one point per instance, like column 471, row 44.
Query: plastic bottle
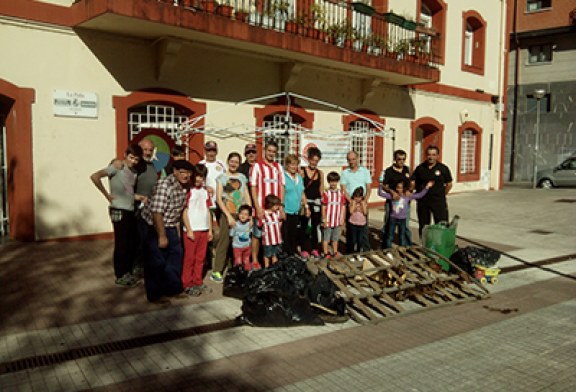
column 454, row 223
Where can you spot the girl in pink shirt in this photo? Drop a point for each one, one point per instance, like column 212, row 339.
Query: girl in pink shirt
column 359, row 221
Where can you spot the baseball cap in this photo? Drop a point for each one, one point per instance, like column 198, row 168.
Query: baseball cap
column 250, row 148
column 211, row 145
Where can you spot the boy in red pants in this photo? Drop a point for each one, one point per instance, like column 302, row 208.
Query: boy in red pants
column 198, row 226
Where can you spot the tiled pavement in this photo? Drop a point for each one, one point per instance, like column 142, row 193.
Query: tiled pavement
column 522, row 338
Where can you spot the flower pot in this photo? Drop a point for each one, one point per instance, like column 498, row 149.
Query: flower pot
column 242, row 16
column 225, row 10
column 391, row 17
column 409, row 24
column 363, row 8
column 208, row 5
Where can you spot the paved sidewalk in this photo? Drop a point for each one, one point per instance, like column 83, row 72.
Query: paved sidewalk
column 60, row 296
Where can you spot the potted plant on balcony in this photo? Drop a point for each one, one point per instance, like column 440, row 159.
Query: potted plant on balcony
column 276, row 14
column 342, row 34
column 208, row 5
column 241, row 15
column 316, row 22
column 225, row 8
column 363, row 7
column 393, row 18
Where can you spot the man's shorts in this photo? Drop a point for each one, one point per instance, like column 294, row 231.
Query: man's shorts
column 256, row 231
column 271, row 250
column 331, row 234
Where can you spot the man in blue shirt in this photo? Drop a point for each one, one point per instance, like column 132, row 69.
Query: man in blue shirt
column 354, row 176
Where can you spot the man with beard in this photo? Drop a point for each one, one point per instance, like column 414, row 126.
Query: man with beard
column 434, row 202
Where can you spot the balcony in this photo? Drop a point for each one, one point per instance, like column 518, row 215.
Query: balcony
column 344, row 37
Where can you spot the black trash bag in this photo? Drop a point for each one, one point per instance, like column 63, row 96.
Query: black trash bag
column 276, row 296
column 466, row 258
column 322, row 291
column 234, row 282
column 270, row 310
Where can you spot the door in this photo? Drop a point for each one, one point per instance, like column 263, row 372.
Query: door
column 425, row 136
column 565, row 175
column 3, row 180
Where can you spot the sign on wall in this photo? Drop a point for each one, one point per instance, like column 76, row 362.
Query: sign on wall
column 75, row 104
column 333, row 148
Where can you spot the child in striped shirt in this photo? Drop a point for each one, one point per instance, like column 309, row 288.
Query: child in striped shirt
column 271, row 235
column 333, row 214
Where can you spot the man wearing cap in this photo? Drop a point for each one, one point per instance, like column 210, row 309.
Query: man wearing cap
column 215, row 168
column 250, row 154
column 163, row 263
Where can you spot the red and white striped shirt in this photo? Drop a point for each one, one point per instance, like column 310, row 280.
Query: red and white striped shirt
column 333, row 200
column 268, row 180
column 271, row 234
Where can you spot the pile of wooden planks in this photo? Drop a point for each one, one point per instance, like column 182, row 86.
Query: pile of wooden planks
column 381, row 284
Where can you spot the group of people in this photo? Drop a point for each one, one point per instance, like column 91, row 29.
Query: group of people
column 164, row 223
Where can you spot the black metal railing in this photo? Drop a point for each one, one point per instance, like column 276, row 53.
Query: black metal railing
column 347, row 25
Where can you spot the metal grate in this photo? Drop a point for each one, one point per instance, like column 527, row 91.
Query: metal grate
column 468, row 152
column 161, row 117
column 106, row 348
column 285, row 132
column 362, row 141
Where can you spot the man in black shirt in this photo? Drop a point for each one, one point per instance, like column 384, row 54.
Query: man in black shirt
column 434, row 202
column 250, row 153
column 395, row 173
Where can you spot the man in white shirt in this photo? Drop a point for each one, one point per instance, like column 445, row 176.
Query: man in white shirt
column 215, row 167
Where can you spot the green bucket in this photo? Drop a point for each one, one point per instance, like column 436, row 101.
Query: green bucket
column 441, row 239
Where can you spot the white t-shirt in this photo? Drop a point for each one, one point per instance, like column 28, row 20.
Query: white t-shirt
column 214, row 170
column 198, row 203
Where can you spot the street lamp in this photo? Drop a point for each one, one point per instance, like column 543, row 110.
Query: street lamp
column 538, row 94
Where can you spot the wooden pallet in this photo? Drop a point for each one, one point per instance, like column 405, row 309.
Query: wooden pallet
column 381, row 284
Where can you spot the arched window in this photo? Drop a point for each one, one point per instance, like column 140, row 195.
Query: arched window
column 367, row 141
column 469, row 151
column 362, row 141
column 285, row 130
column 473, row 42
column 283, row 122
column 146, row 113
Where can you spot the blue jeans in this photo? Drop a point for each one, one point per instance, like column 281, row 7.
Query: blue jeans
column 163, row 266
column 404, row 237
column 359, row 239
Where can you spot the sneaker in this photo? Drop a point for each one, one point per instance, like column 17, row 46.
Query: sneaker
column 305, row 254
column 138, row 272
column 337, row 254
column 194, row 291
column 256, row 266
column 328, row 256
column 127, row 281
column 315, row 253
column 216, row 277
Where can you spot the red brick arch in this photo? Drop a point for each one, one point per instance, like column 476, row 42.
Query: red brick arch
column 18, row 102
column 433, row 135
column 123, row 104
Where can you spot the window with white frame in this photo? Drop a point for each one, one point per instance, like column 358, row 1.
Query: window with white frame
column 468, row 45
column 540, row 54
column 362, row 141
column 283, row 130
column 468, row 141
column 536, row 5
column 153, row 116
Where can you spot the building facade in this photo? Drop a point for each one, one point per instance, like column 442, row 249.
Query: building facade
column 84, row 78
column 542, row 57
